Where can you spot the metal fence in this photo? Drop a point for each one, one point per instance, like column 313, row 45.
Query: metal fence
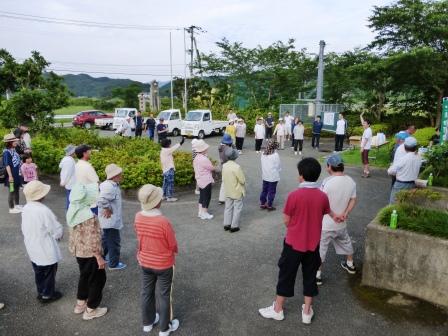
column 307, row 113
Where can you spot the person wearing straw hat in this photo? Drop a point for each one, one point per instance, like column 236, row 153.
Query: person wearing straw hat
column 13, row 181
column 156, row 252
column 67, row 174
column 41, row 232
column 203, row 171
column 110, row 215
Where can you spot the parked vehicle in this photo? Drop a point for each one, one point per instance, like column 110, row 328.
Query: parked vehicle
column 87, row 119
column 172, row 118
column 199, row 123
column 115, row 121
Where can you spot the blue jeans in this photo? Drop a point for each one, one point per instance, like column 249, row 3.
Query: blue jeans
column 45, row 279
column 397, row 187
column 151, row 133
column 111, row 246
column 168, row 183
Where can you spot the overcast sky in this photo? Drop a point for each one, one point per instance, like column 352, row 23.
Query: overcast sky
column 341, row 23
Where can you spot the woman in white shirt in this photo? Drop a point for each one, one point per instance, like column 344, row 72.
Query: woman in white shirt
column 260, row 132
column 67, row 175
column 366, row 144
column 280, row 131
column 299, row 131
column 270, row 168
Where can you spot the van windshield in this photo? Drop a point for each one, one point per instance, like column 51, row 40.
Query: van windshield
column 164, row 115
column 194, row 116
column 121, row 113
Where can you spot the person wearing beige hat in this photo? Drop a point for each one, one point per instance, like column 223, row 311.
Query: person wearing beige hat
column 203, row 170
column 41, row 232
column 13, row 180
column 110, row 215
column 156, row 251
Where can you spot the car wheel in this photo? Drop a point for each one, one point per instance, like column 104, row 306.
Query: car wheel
column 87, row 125
column 175, row 132
column 222, row 130
column 201, row 135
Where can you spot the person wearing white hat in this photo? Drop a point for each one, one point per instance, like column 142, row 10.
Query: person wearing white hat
column 280, row 131
column 67, row 174
column 110, row 215
column 405, row 169
column 260, row 132
column 41, row 232
column 203, row 170
column 13, row 180
column 156, row 253
column 288, row 124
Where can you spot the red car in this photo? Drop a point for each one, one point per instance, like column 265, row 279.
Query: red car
column 86, row 119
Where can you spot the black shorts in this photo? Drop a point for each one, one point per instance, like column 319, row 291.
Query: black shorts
column 289, row 263
column 365, row 156
column 205, row 195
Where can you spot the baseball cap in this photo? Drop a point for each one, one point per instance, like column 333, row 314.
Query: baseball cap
column 410, row 142
column 402, row 135
column 334, row 160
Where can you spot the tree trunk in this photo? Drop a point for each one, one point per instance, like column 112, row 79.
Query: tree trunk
column 439, row 108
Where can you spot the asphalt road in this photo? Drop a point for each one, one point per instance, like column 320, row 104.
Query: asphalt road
column 221, row 279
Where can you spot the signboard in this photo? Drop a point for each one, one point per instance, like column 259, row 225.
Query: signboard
column 444, row 121
column 329, row 118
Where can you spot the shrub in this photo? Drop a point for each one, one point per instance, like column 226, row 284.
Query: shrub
column 437, row 158
column 423, row 135
column 376, row 128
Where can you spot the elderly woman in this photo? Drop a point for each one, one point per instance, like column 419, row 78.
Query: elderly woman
column 13, row 180
column 203, row 170
column 85, row 245
column 270, row 168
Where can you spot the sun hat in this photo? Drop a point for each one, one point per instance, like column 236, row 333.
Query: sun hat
column 69, row 150
column 35, row 190
column 112, row 170
column 231, row 153
column 227, row 139
column 200, row 146
column 402, row 135
column 149, row 196
column 10, row 138
column 334, row 160
column 410, row 142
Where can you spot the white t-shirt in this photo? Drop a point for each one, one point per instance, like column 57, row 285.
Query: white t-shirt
column 288, row 120
column 406, row 168
column 270, row 167
column 340, row 127
column 399, row 153
column 259, row 131
column 67, row 166
column 367, row 138
column 340, row 190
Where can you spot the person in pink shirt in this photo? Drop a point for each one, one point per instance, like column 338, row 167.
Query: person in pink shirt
column 302, row 215
column 28, row 169
column 203, row 171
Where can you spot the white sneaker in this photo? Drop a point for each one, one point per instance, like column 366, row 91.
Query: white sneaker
column 173, row 326
column 206, row 215
column 15, row 211
column 270, row 313
column 295, row 153
column 148, row 328
column 196, row 192
column 306, row 319
column 258, row 152
column 300, row 153
column 18, row 206
column 171, row 199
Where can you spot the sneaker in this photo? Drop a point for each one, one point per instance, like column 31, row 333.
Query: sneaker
column 206, row 215
column 15, row 211
column 94, row 313
column 295, row 153
column 300, row 153
column 319, row 280
column 226, row 227
column 196, row 192
column 48, row 299
column 263, row 206
column 270, row 313
column 236, row 229
column 173, row 326
column 306, row 319
column 171, row 199
column 258, row 152
column 18, row 206
column 349, row 269
column 240, row 152
column 80, row 308
column 148, row 328
column 119, row 266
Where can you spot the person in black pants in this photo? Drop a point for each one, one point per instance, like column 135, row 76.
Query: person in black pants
column 341, row 128
column 13, row 181
column 162, row 130
column 138, row 119
column 317, row 129
column 150, row 126
column 269, row 123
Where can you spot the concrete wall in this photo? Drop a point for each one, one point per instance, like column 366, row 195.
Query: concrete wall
column 406, row 262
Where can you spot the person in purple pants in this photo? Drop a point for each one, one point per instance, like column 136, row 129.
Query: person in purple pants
column 270, row 167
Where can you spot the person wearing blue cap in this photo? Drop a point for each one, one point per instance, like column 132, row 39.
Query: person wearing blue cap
column 226, row 142
column 341, row 192
column 405, row 169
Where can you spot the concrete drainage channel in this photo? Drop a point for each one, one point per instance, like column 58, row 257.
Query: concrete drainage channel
column 397, row 307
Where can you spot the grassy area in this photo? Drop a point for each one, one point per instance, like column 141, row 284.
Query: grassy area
column 73, row 109
column 428, row 221
column 353, row 157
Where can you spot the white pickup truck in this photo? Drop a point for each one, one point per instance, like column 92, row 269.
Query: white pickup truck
column 199, row 123
column 121, row 114
column 172, row 118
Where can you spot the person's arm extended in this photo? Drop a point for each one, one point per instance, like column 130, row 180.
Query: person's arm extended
column 361, row 117
column 172, row 149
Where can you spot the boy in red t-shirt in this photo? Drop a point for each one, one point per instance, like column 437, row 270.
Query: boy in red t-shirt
column 303, row 213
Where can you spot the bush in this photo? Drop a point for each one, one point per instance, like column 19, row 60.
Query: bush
column 437, row 164
column 423, row 135
column 376, row 128
column 138, row 157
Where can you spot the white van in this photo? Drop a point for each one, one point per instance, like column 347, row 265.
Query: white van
column 172, row 118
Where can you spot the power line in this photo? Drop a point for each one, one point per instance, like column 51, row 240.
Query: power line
column 111, row 73
column 94, row 24
column 105, row 64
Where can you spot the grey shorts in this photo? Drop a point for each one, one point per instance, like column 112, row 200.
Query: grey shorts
column 341, row 242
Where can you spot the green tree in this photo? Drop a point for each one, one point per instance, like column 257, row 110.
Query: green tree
column 129, row 94
column 34, row 93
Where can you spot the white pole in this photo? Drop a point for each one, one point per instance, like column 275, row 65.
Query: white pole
column 185, row 74
column 171, row 73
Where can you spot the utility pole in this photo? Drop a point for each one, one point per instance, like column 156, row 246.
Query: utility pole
column 320, row 77
column 191, row 30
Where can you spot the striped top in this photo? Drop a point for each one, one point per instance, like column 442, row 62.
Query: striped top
column 156, row 240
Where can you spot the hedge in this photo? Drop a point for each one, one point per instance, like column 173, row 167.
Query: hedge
column 138, row 157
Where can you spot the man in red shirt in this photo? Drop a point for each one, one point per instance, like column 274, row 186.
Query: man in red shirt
column 303, row 213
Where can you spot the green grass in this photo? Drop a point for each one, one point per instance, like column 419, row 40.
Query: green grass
column 73, row 109
column 353, row 157
column 412, row 218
